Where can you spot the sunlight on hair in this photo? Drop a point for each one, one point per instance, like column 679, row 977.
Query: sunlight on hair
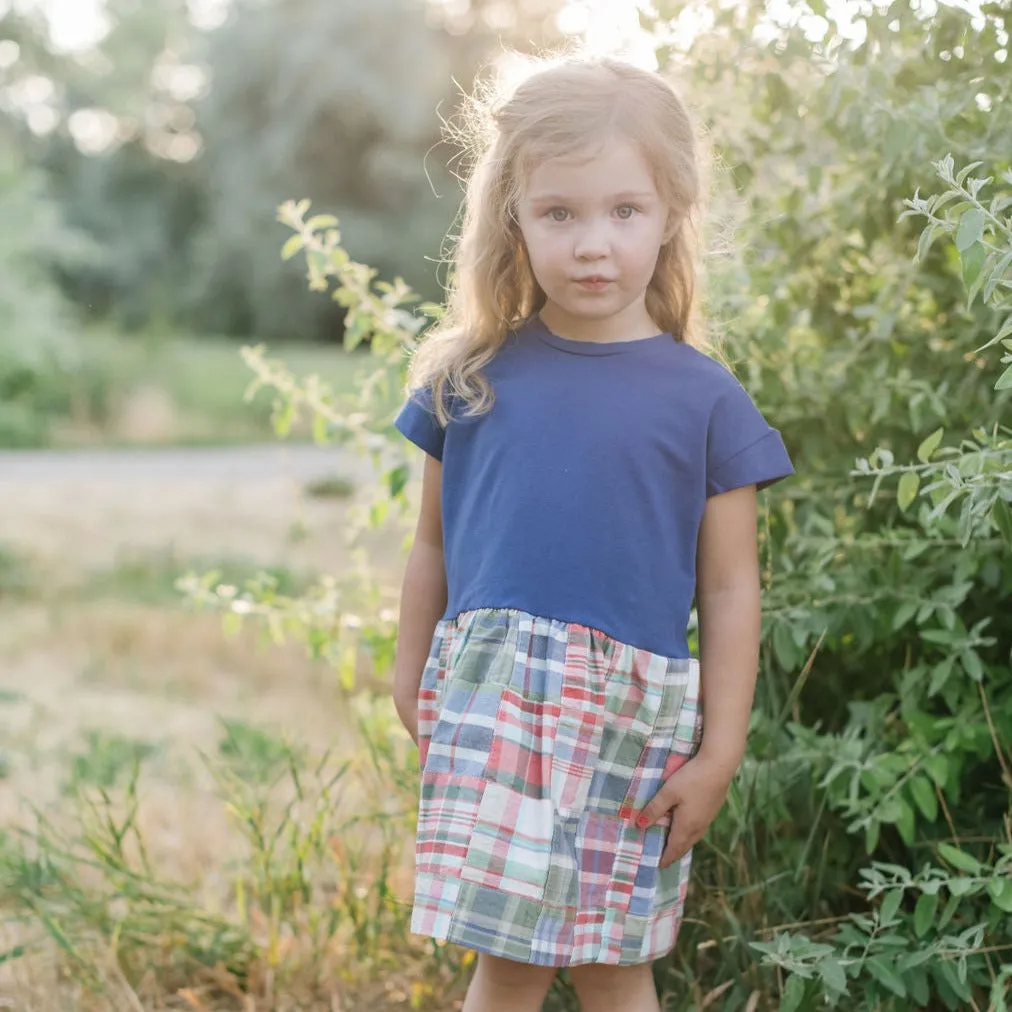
column 609, row 28
column 528, row 111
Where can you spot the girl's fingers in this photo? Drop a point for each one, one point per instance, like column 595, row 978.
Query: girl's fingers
column 681, row 839
column 667, row 797
column 675, row 849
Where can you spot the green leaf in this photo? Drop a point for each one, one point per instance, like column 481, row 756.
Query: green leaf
column 962, row 886
column 939, row 676
column 996, row 274
column 783, row 647
column 937, row 766
column 397, row 479
column 972, row 261
column 924, row 913
column 924, row 797
column 885, row 973
column 971, row 228
column 58, row 935
column 910, row 482
column 960, row 987
column 950, row 908
column 292, row 246
column 890, row 904
column 1001, row 517
column 794, row 994
column 959, row 858
column 1006, row 330
column 926, row 241
column 905, row 823
column 17, row 952
column 832, row 974
column 911, row 959
column 378, row 513
column 904, row 613
column 1004, row 380
column 965, row 171
column 928, row 447
column 282, row 417
column 871, row 835
column 346, row 667
column 942, row 988
column 1000, row 891
column 972, row 664
column 917, row 985
column 319, row 221
column 319, row 428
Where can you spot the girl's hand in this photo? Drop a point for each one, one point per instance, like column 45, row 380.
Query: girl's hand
column 694, row 795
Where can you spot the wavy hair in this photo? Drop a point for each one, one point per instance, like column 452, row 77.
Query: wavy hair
column 563, row 107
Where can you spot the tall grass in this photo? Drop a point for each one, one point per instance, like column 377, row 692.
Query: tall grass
column 307, row 906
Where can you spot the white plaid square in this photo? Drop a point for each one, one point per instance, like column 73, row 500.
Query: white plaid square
column 511, row 845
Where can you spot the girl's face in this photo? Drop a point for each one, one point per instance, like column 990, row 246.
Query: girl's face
column 593, row 228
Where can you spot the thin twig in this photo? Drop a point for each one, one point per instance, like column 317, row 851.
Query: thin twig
column 994, row 736
column 948, row 816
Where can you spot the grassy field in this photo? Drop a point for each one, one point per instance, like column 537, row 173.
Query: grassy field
column 194, row 820
column 184, row 389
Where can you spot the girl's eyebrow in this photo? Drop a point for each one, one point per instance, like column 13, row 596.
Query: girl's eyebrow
column 618, row 198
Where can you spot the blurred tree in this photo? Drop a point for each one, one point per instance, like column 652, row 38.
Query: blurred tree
column 39, row 349
column 336, row 102
column 114, row 135
column 171, row 146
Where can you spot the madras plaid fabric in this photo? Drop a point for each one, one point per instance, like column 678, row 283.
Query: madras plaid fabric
column 540, row 741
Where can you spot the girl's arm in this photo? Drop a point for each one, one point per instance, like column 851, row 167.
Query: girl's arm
column 729, row 609
column 728, row 603
column 423, row 598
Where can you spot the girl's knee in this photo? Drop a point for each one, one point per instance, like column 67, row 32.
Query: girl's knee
column 509, row 977
column 600, row 986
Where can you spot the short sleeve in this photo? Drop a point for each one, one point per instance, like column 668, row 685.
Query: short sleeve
column 741, row 446
column 417, row 421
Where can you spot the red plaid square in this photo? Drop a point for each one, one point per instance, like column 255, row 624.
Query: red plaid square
column 521, row 753
column 596, row 840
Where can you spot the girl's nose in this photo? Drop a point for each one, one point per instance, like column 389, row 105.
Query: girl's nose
column 591, row 244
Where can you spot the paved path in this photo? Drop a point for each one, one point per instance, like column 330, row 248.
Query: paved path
column 294, row 461
column 81, row 509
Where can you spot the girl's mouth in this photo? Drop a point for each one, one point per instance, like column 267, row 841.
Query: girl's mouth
column 593, row 284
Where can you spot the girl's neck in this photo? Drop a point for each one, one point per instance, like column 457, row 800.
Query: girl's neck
column 632, row 324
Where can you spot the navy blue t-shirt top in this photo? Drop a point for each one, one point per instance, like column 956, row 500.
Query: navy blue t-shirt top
column 578, row 496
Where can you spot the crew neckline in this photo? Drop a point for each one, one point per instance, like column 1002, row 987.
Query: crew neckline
column 540, row 330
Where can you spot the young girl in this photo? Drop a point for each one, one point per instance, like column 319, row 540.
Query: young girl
column 587, row 473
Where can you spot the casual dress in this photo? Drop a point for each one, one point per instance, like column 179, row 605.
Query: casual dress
column 559, row 692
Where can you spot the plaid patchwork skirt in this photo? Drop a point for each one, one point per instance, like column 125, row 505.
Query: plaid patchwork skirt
column 540, row 742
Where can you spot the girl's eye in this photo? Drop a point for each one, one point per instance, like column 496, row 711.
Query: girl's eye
column 625, row 211
column 558, row 214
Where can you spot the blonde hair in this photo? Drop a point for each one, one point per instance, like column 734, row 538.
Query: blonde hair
column 563, row 107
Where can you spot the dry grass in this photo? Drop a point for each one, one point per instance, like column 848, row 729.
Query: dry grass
column 93, row 668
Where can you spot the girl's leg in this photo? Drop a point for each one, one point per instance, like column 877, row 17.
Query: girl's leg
column 615, row 988
column 501, row 985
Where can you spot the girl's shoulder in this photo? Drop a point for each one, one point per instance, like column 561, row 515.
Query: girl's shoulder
column 702, row 364
column 708, row 371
